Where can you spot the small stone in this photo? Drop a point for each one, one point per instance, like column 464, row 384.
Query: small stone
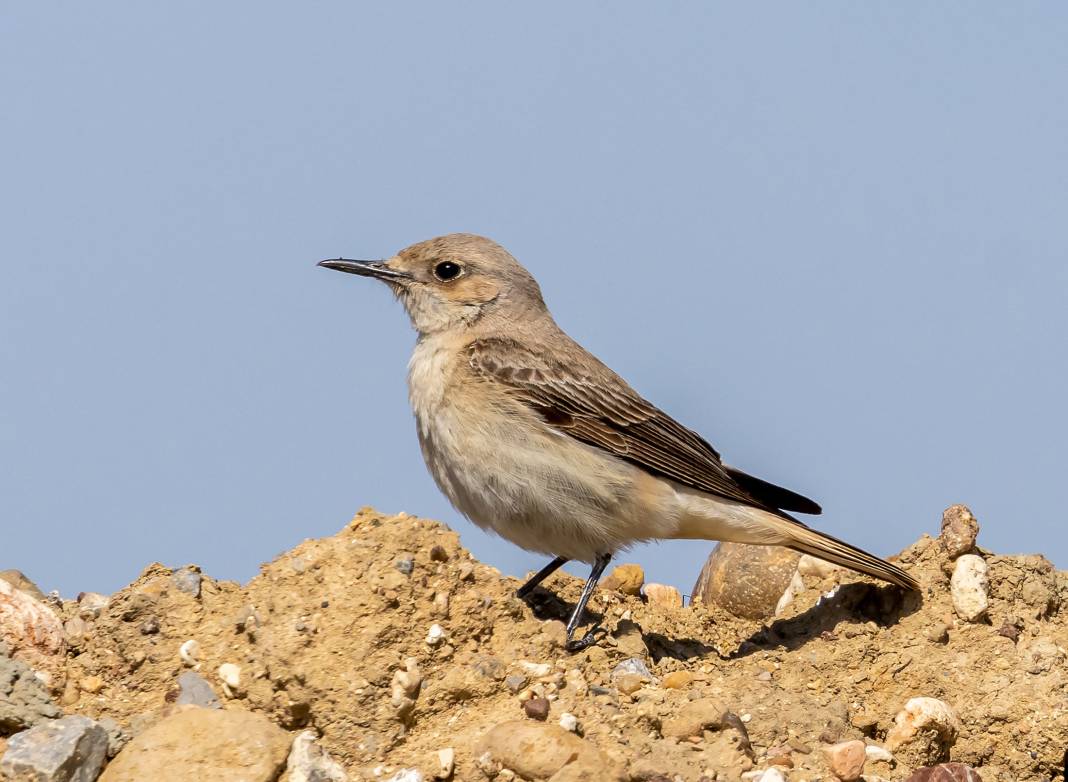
column 308, row 762
column 536, row 708
column 75, row 629
column 407, row 775
column 117, row 736
column 815, row 567
column 410, row 680
column 230, row 676
column 747, row 580
column 677, row 680
column 195, row 691
column 923, row 731
column 629, row 683
column 771, row 775
column 968, row 587
column 946, row 772
column 1011, row 629
column 568, row 722
column 535, row 670
column 187, row 580
column 877, row 754
column 405, row 565
column 150, row 626
column 91, row 684
column 938, row 633
column 466, row 572
column 537, row 750
column 435, row 635
column 446, row 763
column 632, row 665
column 663, row 595
column 846, row 759
column 693, row 718
column 70, row 749
column 188, row 651
column 441, row 604
column 438, row 554
column 627, row 579
column 959, row 531
column 91, row 605
column 515, row 682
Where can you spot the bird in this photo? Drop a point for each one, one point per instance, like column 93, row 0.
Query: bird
column 531, row 437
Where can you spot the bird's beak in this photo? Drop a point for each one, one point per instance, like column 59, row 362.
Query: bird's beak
column 377, row 269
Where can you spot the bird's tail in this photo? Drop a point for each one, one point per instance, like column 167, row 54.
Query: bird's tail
column 824, row 546
column 709, row 518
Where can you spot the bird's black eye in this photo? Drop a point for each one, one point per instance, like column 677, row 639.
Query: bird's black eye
column 447, row 270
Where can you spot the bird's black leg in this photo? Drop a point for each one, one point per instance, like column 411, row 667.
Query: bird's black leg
column 540, row 576
column 590, row 638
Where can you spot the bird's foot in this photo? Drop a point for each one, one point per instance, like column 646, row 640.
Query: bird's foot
column 592, row 636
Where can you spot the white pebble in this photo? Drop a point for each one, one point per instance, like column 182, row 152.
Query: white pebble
column 536, row 670
column 875, row 753
column 969, row 587
column 446, row 761
column 435, row 635
column 188, row 651
column 230, row 675
column 407, row 775
column 922, row 714
column 569, row 722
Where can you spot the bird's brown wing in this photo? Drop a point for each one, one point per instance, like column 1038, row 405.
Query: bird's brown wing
column 586, row 400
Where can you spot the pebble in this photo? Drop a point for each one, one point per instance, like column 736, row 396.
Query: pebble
column 945, row 772
column 230, row 676
column 809, row 565
column 188, row 651
column 150, row 626
column 629, row 683
column 631, row 665
column 92, row 604
column 194, row 690
column 441, row 604
column 75, row 629
column 627, row 579
column 446, row 762
column 938, row 633
column 466, row 572
column 846, row 759
column 438, row 554
column 515, row 682
column 568, row 722
column 407, row 775
column 435, row 635
column 91, row 684
column 405, row 565
column 187, row 580
column 877, row 754
column 959, row 531
column 70, row 749
column 663, row 595
column 536, row 670
column 308, row 762
column 536, row 708
column 968, row 587
column 771, row 775
column 746, row 580
column 693, row 718
column 537, row 750
column 677, row 680
column 924, row 730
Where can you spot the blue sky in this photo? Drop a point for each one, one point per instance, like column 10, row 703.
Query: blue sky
column 832, row 238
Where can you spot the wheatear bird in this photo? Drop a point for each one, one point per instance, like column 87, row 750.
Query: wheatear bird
column 531, row 437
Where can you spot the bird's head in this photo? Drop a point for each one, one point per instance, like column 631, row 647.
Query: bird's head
column 453, row 282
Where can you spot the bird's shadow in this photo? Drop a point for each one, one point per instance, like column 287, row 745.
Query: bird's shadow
column 885, row 605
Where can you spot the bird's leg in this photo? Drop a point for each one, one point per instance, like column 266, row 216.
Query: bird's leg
column 590, row 638
column 540, row 576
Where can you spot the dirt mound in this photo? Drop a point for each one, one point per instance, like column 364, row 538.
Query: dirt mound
column 402, row 652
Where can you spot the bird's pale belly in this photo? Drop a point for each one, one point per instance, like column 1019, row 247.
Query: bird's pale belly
column 539, row 489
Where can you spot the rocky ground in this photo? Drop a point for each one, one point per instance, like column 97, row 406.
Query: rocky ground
column 386, row 652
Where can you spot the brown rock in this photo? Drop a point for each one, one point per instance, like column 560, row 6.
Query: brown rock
column 91, row 684
column 693, row 718
column 846, row 759
column 536, row 708
column 33, row 633
column 538, row 751
column 746, row 580
column 627, row 579
column 959, row 531
column 677, row 680
column 197, row 744
column 663, row 595
column 946, row 772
